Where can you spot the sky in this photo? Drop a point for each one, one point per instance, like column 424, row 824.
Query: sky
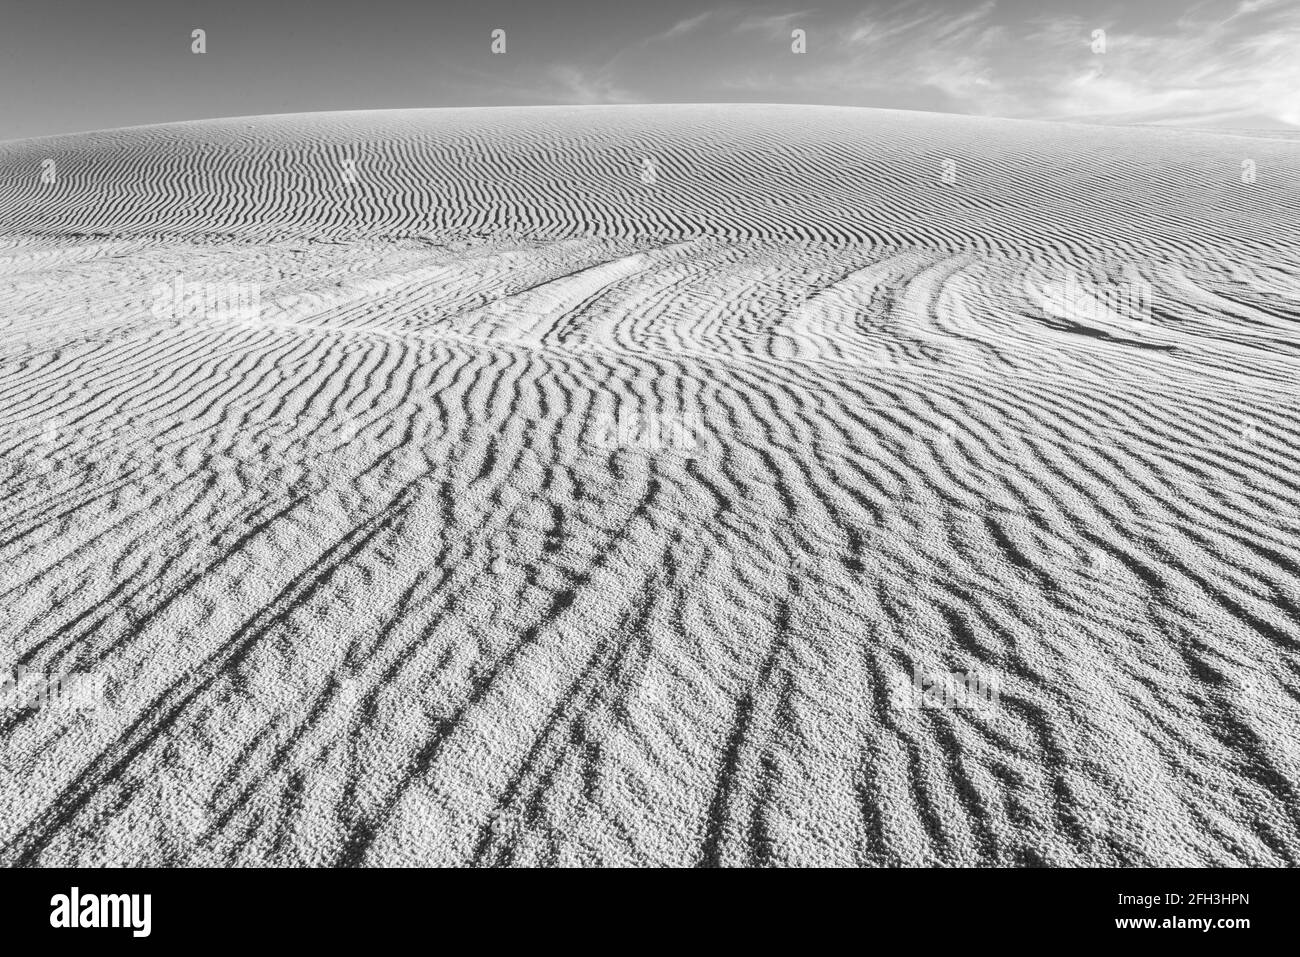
column 74, row 65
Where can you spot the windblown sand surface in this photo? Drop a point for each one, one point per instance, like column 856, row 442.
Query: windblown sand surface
column 371, row 578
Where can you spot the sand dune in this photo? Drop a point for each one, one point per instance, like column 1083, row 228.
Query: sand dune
column 617, row 485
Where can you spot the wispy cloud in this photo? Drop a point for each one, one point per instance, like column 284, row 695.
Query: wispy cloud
column 1213, row 61
column 1206, row 71
column 683, row 27
column 772, row 24
column 1196, row 66
column 569, row 83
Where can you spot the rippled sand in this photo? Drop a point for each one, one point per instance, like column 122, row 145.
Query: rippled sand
column 597, row 485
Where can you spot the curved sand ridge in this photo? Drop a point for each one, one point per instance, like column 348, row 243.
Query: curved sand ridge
column 551, row 510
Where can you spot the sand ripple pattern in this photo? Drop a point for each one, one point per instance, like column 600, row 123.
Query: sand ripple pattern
column 370, row 583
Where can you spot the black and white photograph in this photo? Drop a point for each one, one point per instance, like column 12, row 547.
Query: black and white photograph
column 692, row 434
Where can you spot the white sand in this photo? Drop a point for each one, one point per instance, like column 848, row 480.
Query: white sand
column 383, row 575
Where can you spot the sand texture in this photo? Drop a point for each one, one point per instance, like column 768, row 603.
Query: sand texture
column 592, row 485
